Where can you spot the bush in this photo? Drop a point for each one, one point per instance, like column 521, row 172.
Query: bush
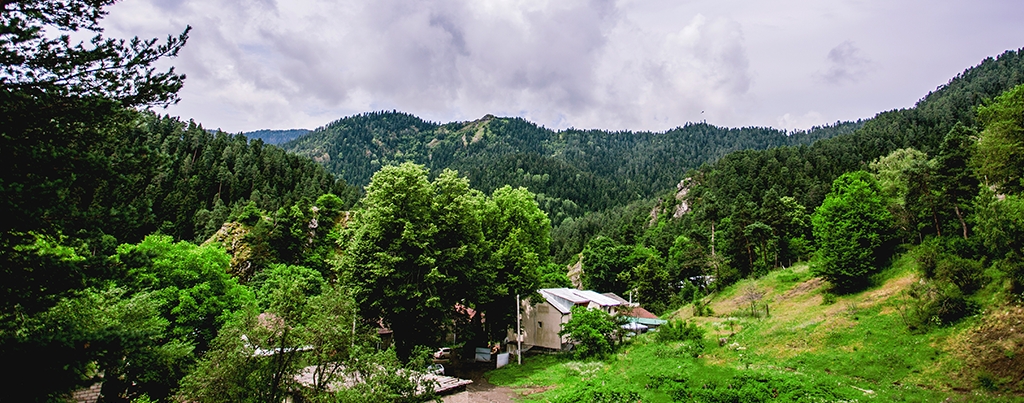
column 828, row 298
column 600, row 394
column 936, row 303
column 966, row 274
column 592, row 331
column 679, row 330
column 759, row 388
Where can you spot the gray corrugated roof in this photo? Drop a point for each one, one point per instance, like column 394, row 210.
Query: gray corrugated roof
column 612, row 295
column 597, row 298
column 563, row 299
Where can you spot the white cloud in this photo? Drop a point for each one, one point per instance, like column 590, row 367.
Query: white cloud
column 846, row 65
column 795, row 122
column 622, row 64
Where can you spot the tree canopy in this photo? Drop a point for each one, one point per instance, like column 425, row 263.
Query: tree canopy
column 852, row 228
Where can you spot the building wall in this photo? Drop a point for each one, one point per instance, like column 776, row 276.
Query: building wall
column 541, row 324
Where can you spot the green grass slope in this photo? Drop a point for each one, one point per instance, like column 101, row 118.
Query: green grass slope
column 810, row 346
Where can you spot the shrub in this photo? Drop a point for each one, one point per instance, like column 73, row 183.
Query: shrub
column 828, row 298
column 600, row 394
column 592, row 330
column 943, row 259
column 759, row 388
column 679, row 330
column 966, row 274
column 935, row 303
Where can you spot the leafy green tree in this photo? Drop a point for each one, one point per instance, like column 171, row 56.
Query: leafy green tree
column 604, row 260
column 70, row 333
column 303, row 281
column 257, row 355
column 110, row 68
column 394, row 259
column 853, row 231
column 518, row 238
column 999, row 153
column 592, row 330
column 197, row 295
column 385, row 379
column 553, row 275
column 999, row 224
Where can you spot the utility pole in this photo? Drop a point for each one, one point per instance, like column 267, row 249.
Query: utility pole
column 519, row 333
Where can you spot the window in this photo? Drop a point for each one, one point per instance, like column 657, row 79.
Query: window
column 540, row 324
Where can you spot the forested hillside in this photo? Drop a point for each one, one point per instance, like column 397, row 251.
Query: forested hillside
column 573, row 171
column 750, row 211
column 164, row 262
column 275, row 136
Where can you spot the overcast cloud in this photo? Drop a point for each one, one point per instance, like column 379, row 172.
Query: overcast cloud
column 627, row 64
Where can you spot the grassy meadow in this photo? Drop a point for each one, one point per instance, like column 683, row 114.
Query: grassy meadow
column 808, row 345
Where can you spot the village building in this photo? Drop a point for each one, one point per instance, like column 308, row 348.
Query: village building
column 542, row 321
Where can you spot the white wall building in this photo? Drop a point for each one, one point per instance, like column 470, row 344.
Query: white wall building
column 541, row 322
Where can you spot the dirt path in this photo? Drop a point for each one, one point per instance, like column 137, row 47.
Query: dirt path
column 482, row 391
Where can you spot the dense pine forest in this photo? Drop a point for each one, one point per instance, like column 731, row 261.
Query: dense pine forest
column 573, row 171
column 167, row 262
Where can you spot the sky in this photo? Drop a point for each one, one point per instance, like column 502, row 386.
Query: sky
column 595, row 64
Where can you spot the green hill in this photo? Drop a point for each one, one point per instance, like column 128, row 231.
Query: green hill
column 575, row 171
column 811, row 346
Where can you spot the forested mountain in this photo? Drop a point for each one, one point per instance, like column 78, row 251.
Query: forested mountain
column 750, row 211
column 275, row 136
column 103, row 280
column 572, row 171
column 160, row 173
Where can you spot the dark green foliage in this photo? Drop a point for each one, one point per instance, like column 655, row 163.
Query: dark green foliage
column 592, row 331
column 689, row 333
column 89, row 333
column 607, row 265
column 386, row 380
column 1000, row 226
column 599, row 394
column 999, row 208
column 853, row 230
column 420, row 247
column 391, row 258
column 759, row 387
column 571, row 171
column 935, row 303
column 956, row 179
column 199, row 170
column 191, row 282
column 951, row 260
column 745, row 187
column 553, row 275
column 999, row 156
column 62, row 104
column 34, row 61
column 624, row 224
column 517, row 236
column 302, row 281
column 257, row 355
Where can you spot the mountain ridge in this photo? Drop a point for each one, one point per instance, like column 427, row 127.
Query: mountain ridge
column 574, row 170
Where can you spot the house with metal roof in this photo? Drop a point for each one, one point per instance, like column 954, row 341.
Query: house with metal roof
column 542, row 321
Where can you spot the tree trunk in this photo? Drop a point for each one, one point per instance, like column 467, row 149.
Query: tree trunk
column 960, row 217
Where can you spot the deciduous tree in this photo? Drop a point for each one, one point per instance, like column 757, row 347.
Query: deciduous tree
column 853, row 231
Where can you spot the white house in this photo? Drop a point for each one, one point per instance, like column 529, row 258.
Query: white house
column 541, row 322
